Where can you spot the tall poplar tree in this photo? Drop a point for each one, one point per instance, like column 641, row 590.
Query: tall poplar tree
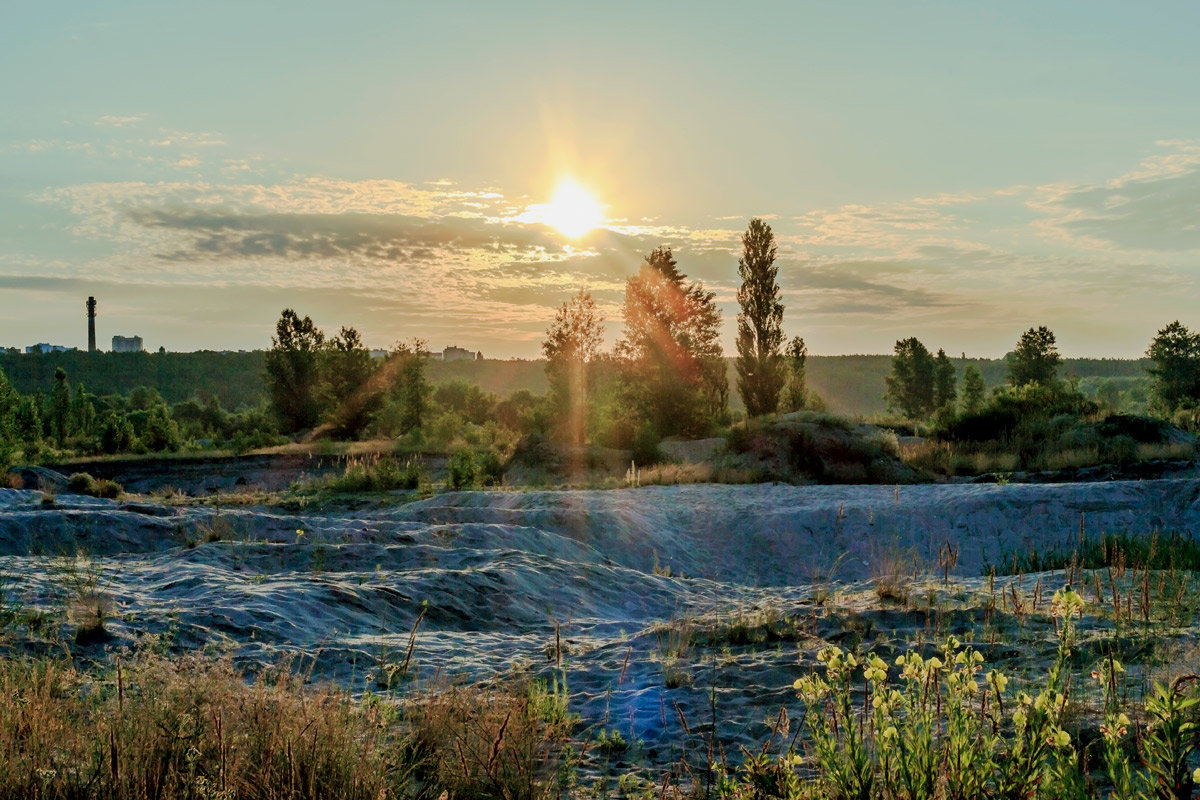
column 760, row 367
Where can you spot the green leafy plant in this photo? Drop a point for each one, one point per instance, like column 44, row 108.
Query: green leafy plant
column 942, row 729
column 462, row 469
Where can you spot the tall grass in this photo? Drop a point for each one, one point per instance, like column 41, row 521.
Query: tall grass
column 153, row 727
column 194, row 727
column 375, row 473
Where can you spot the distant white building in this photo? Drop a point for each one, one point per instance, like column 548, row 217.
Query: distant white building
column 127, row 344
column 44, row 347
column 453, row 353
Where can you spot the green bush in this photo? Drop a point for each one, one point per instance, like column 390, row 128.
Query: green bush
column 645, row 446
column 491, row 471
column 462, row 469
column 1143, row 430
column 376, row 474
column 82, row 483
column 1121, row 449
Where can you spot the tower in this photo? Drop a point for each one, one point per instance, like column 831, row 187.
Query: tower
column 91, row 309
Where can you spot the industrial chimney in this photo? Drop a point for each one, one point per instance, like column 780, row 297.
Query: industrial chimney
column 91, row 309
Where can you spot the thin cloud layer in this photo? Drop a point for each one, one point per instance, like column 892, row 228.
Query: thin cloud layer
column 1155, row 207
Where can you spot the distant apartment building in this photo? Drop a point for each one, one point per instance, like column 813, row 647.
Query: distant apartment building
column 127, row 344
column 44, row 347
column 453, row 353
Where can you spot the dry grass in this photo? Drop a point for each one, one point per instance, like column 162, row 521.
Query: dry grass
column 893, row 571
column 672, row 474
column 191, row 727
column 1171, row 452
column 152, row 726
column 677, row 474
column 1073, row 458
column 500, row 743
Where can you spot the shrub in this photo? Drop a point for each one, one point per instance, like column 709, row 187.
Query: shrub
column 376, row 474
column 462, row 469
column 491, row 471
column 1121, row 449
column 645, row 446
column 82, row 483
column 739, row 438
column 1142, row 430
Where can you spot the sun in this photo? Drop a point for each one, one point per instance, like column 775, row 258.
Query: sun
column 573, row 210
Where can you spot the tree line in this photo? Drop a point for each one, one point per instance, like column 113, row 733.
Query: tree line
column 70, row 420
column 922, row 386
column 666, row 376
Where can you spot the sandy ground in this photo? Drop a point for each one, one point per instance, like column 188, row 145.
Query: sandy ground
column 498, row 573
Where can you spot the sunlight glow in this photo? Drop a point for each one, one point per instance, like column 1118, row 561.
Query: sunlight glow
column 573, row 210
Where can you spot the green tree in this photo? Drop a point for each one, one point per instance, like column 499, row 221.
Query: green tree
column 60, row 413
column 350, row 393
column 28, row 421
column 760, row 367
column 1175, row 352
column 795, row 392
column 973, row 389
column 945, row 380
column 162, row 433
column 9, row 402
column 116, row 433
column 293, row 371
column 675, row 371
column 411, row 389
column 910, row 384
column 572, row 343
column 144, row 398
column 83, row 411
column 1035, row 358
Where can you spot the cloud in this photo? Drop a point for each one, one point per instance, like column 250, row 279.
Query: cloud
column 119, row 120
column 458, row 259
column 1154, row 207
column 386, row 237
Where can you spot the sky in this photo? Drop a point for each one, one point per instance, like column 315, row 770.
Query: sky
column 955, row 171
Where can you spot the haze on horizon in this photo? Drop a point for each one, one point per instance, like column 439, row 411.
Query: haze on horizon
column 930, row 169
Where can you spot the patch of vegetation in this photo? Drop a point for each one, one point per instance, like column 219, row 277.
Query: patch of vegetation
column 462, row 470
column 818, row 447
column 1173, row 552
column 83, row 483
column 376, row 473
